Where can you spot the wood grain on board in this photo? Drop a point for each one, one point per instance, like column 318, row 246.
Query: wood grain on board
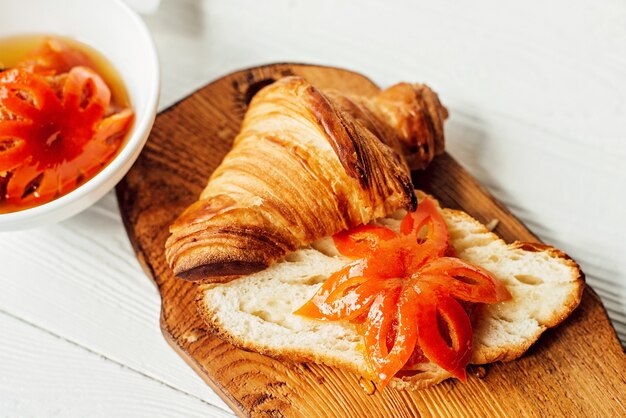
column 577, row 369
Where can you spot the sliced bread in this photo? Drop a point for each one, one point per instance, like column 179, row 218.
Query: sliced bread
column 255, row 312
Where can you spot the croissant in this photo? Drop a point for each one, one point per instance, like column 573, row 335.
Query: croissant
column 305, row 165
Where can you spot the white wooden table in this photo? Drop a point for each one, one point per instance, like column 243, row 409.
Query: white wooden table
column 537, row 97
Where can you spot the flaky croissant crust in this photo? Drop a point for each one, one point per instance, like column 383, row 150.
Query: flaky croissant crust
column 305, row 165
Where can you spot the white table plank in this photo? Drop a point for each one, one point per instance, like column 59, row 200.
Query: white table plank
column 86, row 286
column 536, row 93
column 50, row 377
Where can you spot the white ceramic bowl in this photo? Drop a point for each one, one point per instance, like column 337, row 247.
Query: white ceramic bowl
column 113, row 29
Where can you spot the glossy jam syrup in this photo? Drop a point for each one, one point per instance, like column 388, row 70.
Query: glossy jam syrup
column 54, row 171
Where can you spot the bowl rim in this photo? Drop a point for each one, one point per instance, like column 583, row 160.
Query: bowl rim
column 126, row 156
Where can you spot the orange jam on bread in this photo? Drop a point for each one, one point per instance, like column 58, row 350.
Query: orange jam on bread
column 408, row 295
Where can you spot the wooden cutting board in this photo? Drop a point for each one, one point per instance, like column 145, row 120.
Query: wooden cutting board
column 578, row 369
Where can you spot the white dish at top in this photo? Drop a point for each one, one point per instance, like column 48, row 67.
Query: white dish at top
column 114, row 30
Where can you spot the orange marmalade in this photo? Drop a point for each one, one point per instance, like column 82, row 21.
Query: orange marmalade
column 64, row 114
column 408, row 295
